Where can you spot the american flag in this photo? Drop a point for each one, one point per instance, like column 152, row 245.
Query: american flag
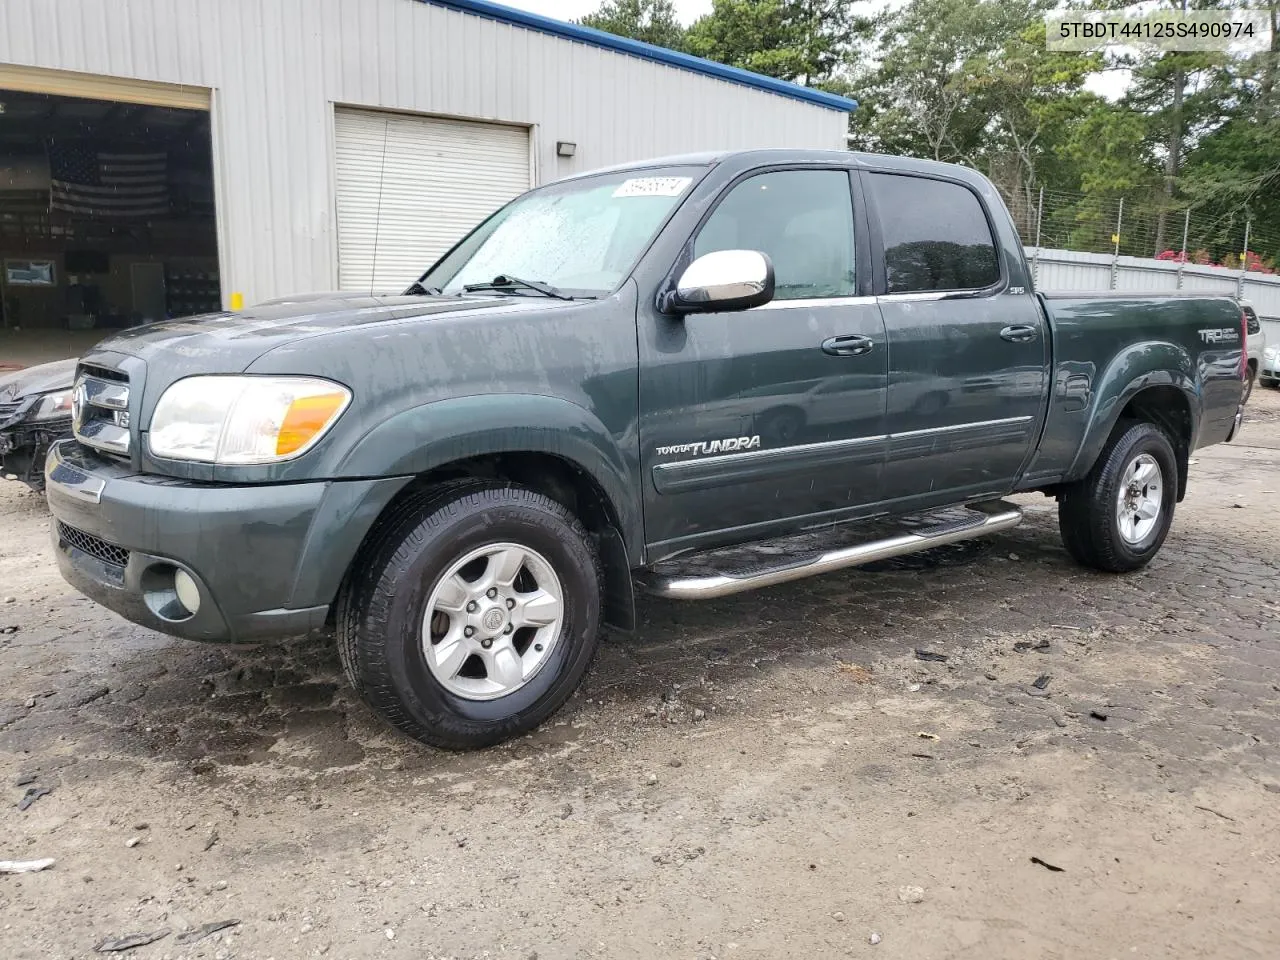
column 108, row 183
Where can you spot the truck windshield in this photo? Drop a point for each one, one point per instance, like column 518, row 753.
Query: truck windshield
column 580, row 237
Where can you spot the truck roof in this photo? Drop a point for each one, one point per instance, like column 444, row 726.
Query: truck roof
column 770, row 156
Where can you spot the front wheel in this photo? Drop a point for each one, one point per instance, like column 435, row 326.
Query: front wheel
column 473, row 615
column 1116, row 519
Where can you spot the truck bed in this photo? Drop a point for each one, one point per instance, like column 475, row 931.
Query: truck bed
column 1104, row 343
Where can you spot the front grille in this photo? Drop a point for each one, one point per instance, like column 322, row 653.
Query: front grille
column 93, row 546
column 101, row 408
column 8, row 409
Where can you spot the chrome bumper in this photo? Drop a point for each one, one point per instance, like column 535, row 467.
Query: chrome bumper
column 69, row 479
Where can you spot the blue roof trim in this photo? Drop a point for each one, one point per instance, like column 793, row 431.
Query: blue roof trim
column 646, row 51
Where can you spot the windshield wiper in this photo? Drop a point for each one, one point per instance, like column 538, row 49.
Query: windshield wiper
column 506, row 281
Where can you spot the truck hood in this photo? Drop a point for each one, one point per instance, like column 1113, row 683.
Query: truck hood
column 330, row 295
column 41, row 378
column 230, row 342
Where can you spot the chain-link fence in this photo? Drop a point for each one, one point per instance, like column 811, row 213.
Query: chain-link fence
column 1064, row 220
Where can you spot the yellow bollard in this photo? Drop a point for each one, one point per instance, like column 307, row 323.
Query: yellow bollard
column 237, row 300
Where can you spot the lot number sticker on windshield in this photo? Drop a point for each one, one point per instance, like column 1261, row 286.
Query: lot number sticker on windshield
column 653, row 187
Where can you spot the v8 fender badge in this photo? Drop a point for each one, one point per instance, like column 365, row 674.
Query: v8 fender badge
column 1220, row 335
column 704, row 447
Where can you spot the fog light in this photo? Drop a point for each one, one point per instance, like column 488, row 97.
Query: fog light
column 187, row 591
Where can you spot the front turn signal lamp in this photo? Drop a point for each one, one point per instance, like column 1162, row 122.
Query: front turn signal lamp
column 244, row 419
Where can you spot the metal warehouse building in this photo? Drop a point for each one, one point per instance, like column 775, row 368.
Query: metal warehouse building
column 163, row 157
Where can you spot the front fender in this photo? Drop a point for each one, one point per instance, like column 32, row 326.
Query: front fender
column 445, row 431
column 1134, row 369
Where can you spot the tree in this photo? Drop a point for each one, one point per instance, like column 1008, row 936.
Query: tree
column 1230, row 169
column 650, row 21
column 1035, row 99
column 823, row 33
column 1181, row 94
column 920, row 97
column 972, row 82
column 1232, row 176
column 1108, row 163
column 807, row 41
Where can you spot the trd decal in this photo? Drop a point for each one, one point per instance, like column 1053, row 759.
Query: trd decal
column 1220, row 335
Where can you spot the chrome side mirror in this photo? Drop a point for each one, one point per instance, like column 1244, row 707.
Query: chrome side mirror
column 723, row 280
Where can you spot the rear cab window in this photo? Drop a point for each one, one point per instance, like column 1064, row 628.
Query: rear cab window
column 936, row 235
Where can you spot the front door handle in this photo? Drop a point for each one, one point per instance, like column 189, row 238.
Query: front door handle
column 847, row 346
column 1018, row 334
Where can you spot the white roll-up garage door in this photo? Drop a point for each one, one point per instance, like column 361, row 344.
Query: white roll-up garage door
column 410, row 187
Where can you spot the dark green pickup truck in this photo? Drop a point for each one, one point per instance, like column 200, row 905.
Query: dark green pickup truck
column 700, row 375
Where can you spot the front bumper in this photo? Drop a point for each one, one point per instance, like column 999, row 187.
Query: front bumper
column 1269, row 371
column 265, row 560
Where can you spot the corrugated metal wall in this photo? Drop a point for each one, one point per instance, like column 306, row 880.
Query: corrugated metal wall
column 1070, row 270
column 277, row 67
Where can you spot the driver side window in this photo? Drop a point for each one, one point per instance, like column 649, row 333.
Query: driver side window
column 803, row 221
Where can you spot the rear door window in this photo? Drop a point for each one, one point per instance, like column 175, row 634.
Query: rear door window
column 936, row 235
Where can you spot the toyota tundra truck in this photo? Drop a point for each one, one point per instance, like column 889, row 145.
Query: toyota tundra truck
column 692, row 377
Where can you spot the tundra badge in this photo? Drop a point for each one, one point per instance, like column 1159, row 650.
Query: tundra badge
column 702, row 447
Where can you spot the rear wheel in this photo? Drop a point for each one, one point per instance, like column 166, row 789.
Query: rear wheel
column 474, row 614
column 1248, row 384
column 1116, row 519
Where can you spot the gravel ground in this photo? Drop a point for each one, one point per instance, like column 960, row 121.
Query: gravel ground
column 772, row 775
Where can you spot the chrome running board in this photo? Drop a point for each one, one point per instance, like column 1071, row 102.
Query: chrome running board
column 676, row 581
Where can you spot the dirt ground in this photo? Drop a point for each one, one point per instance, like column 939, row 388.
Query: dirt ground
column 759, row 777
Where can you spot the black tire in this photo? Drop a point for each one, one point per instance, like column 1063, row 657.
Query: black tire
column 1248, row 385
column 1088, row 516
column 380, row 610
column 1076, row 539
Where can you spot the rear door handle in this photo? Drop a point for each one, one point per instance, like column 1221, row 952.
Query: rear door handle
column 847, row 346
column 1018, row 334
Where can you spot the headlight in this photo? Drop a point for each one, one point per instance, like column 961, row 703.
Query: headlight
column 1271, row 353
column 244, row 419
column 52, row 406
